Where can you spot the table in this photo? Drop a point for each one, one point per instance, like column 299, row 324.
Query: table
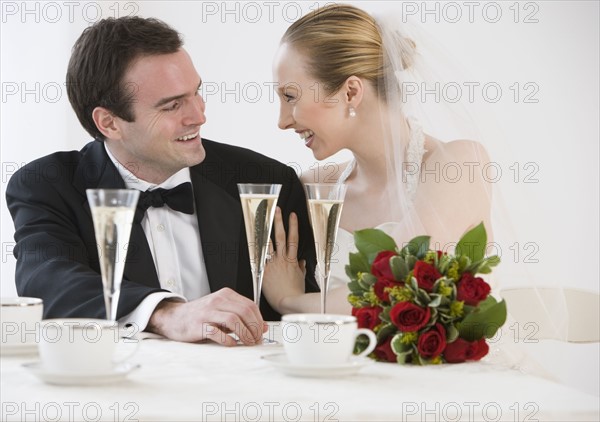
column 208, row 382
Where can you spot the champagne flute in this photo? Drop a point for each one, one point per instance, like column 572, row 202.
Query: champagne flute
column 258, row 205
column 112, row 212
column 325, row 202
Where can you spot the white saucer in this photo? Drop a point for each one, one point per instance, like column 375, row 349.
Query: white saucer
column 280, row 361
column 18, row 349
column 118, row 373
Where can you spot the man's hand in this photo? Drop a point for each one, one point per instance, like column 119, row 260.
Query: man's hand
column 211, row 317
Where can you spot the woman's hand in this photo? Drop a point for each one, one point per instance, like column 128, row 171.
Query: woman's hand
column 283, row 279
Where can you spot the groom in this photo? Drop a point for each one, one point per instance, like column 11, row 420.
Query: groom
column 187, row 271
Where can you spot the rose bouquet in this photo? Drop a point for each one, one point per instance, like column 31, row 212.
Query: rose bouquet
column 425, row 306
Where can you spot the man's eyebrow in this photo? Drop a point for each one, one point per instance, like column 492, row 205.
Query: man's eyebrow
column 167, row 100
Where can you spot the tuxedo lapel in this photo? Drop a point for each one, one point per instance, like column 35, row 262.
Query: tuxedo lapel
column 97, row 171
column 219, row 220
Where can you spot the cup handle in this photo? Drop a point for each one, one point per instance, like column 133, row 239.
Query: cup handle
column 126, row 340
column 372, row 341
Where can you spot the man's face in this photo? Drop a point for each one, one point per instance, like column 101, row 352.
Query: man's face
column 168, row 112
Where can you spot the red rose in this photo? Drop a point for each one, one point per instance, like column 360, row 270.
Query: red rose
column 409, row 317
column 368, row 317
column 380, row 286
column 426, row 275
column 431, row 343
column 461, row 350
column 381, row 266
column 472, row 290
column 456, row 352
column 480, row 349
column 384, row 351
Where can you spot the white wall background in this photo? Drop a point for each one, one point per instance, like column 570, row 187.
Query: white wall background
column 552, row 44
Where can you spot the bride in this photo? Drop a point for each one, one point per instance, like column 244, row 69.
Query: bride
column 343, row 81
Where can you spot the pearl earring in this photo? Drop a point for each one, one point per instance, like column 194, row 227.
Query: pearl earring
column 351, row 112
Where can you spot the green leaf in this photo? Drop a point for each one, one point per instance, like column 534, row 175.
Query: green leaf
column 355, row 288
column 451, row 333
column 410, row 261
column 385, row 331
column 484, row 321
column 370, row 242
column 483, row 269
column 366, row 280
column 493, row 260
column 435, row 302
column 358, row 264
column 385, row 314
column 433, row 318
column 483, row 266
column 402, row 358
column 422, row 298
column 473, row 243
column 398, row 347
column 413, row 284
column 487, row 303
column 418, row 246
column 399, row 268
column 362, row 342
column 463, row 263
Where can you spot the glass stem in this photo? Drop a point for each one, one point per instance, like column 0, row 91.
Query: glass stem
column 323, row 279
column 108, row 304
column 114, row 304
column 258, row 285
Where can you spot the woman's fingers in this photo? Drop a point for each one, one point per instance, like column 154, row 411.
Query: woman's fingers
column 293, row 238
column 280, row 242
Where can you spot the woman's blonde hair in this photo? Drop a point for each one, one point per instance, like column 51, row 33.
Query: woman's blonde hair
column 340, row 41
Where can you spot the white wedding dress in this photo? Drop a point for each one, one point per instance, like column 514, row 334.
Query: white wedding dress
column 345, row 240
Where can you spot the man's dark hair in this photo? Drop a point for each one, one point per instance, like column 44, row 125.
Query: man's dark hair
column 100, row 58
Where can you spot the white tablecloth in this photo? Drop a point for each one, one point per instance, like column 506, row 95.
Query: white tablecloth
column 178, row 381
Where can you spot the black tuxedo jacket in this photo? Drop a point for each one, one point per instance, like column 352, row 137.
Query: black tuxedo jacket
column 57, row 257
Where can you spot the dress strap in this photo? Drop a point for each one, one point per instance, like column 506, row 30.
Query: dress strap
column 346, row 173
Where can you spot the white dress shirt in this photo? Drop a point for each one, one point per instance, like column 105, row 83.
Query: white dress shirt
column 174, row 240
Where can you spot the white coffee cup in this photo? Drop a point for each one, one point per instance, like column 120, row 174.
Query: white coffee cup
column 322, row 339
column 19, row 319
column 82, row 346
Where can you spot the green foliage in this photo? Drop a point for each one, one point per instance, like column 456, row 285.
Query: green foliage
column 473, row 243
column 370, row 242
column 483, row 321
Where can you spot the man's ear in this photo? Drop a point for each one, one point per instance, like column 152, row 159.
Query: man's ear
column 106, row 123
column 354, row 90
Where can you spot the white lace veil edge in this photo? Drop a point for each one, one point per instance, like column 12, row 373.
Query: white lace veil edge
column 418, row 124
column 455, row 202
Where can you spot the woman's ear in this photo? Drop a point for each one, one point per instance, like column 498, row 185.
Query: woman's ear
column 106, row 123
column 354, row 89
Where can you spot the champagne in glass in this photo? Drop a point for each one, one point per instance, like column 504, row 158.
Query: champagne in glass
column 258, row 205
column 112, row 212
column 325, row 202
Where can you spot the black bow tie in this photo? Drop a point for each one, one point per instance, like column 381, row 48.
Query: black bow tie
column 180, row 198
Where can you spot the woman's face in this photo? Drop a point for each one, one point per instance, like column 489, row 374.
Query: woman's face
column 318, row 119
